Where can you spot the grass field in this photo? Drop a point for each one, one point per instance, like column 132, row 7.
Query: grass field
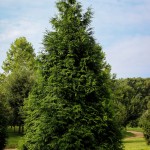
column 134, row 129
column 135, row 144
column 13, row 138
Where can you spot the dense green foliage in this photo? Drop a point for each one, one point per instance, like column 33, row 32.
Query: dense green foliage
column 18, row 69
column 70, row 105
column 3, row 116
column 131, row 97
column 3, row 127
column 145, row 123
column 20, row 55
column 18, row 86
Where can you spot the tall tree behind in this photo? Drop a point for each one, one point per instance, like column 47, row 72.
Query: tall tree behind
column 70, row 107
column 3, row 125
column 19, row 68
column 17, row 88
column 3, row 115
column 20, row 55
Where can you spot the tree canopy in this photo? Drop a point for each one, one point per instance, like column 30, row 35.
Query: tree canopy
column 3, row 115
column 21, row 54
column 19, row 68
column 145, row 124
column 131, row 98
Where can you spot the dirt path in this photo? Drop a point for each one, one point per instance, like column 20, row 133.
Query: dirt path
column 136, row 134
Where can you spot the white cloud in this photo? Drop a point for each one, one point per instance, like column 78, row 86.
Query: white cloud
column 120, row 12
column 24, row 27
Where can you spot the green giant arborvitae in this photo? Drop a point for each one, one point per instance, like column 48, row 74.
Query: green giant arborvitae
column 70, row 106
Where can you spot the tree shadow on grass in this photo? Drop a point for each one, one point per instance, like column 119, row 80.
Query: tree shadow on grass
column 134, row 141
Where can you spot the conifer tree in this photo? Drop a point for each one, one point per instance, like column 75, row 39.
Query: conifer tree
column 70, row 106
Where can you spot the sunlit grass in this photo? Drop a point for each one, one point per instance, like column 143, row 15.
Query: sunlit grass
column 13, row 138
column 135, row 144
column 137, row 129
column 127, row 134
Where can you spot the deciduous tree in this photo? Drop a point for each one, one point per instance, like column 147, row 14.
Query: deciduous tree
column 145, row 123
column 20, row 55
column 3, row 115
column 131, row 97
column 19, row 68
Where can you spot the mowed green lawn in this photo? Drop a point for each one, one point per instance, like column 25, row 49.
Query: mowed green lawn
column 138, row 129
column 13, row 138
column 135, row 144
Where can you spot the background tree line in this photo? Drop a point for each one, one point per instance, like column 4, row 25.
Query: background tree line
column 131, row 97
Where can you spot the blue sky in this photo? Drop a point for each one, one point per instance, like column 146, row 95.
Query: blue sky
column 122, row 27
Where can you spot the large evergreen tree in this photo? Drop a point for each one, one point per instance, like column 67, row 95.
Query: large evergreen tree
column 70, row 106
